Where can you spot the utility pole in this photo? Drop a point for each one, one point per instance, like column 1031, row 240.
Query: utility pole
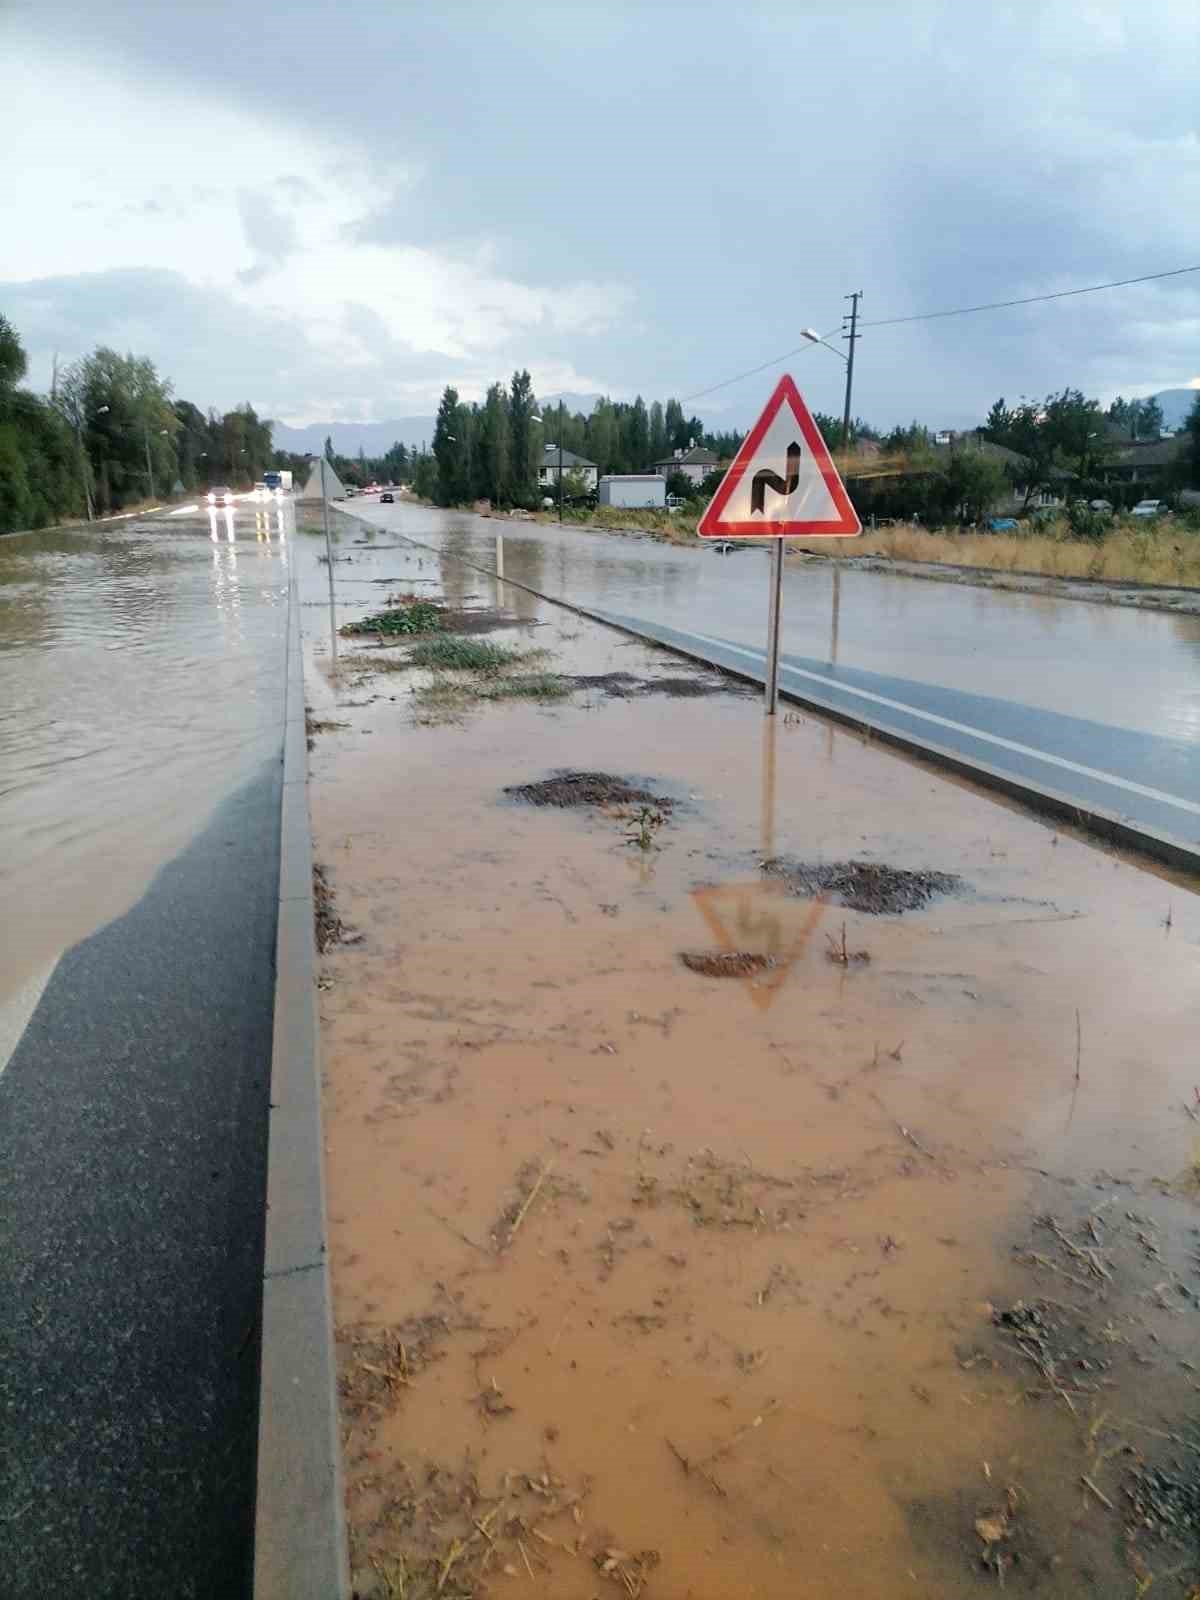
column 852, row 335
column 329, row 564
column 149, row 468
column 560, row 483
column 84, row 467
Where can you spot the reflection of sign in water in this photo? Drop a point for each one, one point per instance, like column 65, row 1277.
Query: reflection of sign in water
column 761, row 917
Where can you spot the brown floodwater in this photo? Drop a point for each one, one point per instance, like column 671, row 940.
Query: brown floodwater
column 143, row 668
column 653, row 1282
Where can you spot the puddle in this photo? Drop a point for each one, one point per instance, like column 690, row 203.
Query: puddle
column 863, row 885
column 697, row 1281
column 569, row 789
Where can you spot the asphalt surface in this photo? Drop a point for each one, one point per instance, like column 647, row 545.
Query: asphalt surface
column 133, row 1137
column 1149, row 782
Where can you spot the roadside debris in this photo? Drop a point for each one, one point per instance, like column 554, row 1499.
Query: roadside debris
column 327, row 925
column 568, row 789
column 726, row 964
column 837, row 951
column 868, row 886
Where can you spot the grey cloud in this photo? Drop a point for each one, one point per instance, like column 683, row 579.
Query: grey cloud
column 270, row 232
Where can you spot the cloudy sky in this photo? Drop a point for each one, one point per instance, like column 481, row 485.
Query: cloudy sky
column 334, row 210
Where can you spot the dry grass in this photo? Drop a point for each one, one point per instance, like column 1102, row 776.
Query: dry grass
column 1166, row 553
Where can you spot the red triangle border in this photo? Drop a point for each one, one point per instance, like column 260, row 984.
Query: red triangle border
column 846, row 527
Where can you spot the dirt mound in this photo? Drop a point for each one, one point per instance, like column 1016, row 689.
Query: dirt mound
column 585, row 789
column 625, row 686
column 863, row 885
column 728, row 964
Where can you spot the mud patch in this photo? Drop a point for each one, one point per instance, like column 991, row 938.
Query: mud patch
column 314, row 725
column 625, row 686
column 568, row 789
column 327, row 925
column 728, row 964
column 868, row 886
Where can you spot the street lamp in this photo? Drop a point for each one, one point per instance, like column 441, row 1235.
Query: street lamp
column 814, row 337
column 84, row 464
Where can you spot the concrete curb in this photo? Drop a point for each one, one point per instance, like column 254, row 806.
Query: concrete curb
column 300, row 1534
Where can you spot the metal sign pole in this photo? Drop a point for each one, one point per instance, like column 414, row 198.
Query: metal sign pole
column 329, row 563
column 772, row 694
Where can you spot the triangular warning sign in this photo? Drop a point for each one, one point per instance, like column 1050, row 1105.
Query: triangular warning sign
column 783, row 482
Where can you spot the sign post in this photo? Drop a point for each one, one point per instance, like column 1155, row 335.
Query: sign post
column 755, row 500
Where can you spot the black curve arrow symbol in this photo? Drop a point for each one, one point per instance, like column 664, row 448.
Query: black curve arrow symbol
column 766, row 479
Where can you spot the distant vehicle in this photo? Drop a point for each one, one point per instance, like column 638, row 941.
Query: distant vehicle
column 220, row 496
column 1148, row 508
column 387, row 498
column 675, row 501
column 1002, row 524
column 350, row 492
column 1099, row 505
column 278, row 482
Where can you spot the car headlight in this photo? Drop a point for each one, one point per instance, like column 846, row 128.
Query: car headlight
column 212, row 499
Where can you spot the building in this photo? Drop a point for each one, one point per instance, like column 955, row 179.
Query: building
column 548, row 468
column 633, row 489
column 1150, row 463
column 695, row 463
column 1048, row 496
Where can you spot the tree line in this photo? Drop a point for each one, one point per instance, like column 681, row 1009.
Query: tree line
column 111, row 434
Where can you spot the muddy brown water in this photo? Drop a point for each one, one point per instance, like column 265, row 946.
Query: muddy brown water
column 683, row 1287
column 143, row 665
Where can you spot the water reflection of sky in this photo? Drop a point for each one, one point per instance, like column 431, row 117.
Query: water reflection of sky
column 143, row 671
column 1134, row 668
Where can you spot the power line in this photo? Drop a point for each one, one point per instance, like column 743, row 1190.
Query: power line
column 774, row 362
column 1033, row 299
column 931, row 316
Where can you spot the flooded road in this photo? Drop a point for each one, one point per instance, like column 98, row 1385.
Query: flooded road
column 1138, row 670
column 140, row 741
column 142, row 663
column 838, row 1275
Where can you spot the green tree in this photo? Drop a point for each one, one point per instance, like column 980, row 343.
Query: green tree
column 658, row 433
column 974, row 483
column 678, row 483
column 495, row 472
column 40, row 463
column 1193, row 429
column 329, row 456
column 676, row 427
column 636, row 436
column 523, row 440
column 602, row 441
column 1021, row 429
column 450, row 446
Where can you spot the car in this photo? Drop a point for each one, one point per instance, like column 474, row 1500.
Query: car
column 1099, row 505
column 1148, row 508
column 220, row 496
column 1002, row 524
column 387, row 498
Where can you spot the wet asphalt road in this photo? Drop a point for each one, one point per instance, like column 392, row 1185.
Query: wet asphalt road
column 133, row 1123
column 1094, row 712
column 141, row 853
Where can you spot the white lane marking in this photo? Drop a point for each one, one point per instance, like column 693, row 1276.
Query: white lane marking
column 962, row 727
column 16, row 1011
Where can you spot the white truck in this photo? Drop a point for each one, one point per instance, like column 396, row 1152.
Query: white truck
column 278, row 480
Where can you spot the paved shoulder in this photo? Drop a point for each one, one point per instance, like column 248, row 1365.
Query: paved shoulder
column 133, row 1118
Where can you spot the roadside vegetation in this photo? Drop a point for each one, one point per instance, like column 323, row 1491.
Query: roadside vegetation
column 1162, row 551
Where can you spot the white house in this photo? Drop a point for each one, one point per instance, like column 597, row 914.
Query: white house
column 548, row 468
column 695, row 463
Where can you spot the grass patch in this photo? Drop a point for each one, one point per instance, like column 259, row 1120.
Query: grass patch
column 445, row 698
column 416, row 616
column 1164, row 552
column 451, row 653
